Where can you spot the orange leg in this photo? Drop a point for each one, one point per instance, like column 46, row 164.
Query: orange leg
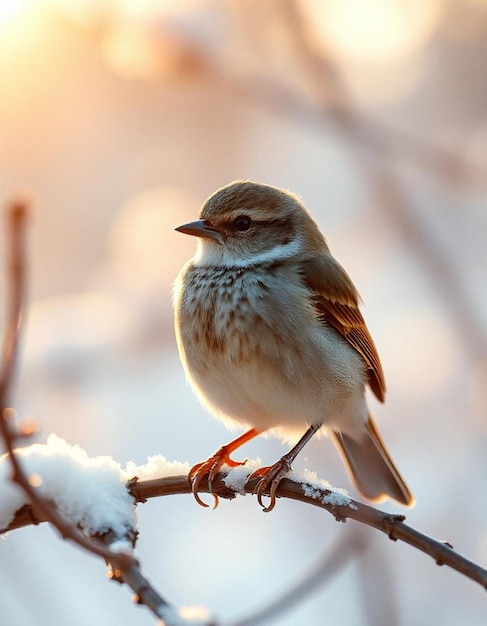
column 270, row 477
column 212, row 465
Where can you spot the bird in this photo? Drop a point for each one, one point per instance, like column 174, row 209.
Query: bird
column 271, row 338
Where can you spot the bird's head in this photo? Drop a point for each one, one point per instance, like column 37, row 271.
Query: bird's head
column 246, row 223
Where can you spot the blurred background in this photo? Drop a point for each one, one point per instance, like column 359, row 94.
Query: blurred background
column 119, row 117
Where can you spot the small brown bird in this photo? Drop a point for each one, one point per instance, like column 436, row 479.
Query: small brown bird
column 271, row 337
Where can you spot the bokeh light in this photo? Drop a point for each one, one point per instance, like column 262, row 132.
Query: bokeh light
column 131, row 50
column 145, row 252
column 377, row 43
column 375, row 31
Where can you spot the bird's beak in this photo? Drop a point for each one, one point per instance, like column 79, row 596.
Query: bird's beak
column 200, row 228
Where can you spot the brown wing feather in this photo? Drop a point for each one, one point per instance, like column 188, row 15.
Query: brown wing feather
column 336, row 301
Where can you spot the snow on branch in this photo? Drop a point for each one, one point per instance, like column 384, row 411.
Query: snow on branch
column 89, row 492
column 92, row 493
column 45, row 494
column 104, row 478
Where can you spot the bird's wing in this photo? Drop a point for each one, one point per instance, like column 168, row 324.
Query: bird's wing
column 336, row 300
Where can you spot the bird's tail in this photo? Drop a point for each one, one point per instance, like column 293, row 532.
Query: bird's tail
column 371, row 468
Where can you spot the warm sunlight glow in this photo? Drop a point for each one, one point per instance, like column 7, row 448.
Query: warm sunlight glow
column 88, row 14
column 147, row 8
column 29, row 55
column 10, row 9
column 95, row 13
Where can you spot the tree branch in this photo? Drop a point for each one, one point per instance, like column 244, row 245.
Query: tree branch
column 390, row 524
column 123, row 566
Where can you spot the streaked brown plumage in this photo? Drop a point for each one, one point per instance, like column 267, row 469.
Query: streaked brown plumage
column 271, row 337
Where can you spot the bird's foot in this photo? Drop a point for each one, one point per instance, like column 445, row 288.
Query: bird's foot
column 269, row 479
column 210, row 468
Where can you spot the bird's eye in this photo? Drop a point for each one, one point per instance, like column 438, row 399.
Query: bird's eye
column 242, row 222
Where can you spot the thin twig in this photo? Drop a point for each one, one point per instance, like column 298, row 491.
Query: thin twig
column 124, row 567
column 16, row 215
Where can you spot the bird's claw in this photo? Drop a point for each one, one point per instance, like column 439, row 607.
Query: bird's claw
column 269, row 479
column 210, row 468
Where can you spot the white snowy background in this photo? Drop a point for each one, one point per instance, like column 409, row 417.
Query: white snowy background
column 120, row 117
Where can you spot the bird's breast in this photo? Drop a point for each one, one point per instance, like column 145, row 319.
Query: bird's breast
column 232, row 321
column 254, row 348
column 233, row 314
